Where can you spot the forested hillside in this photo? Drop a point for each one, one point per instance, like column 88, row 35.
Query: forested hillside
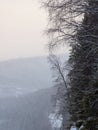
column 26, row 75
column 27, row 112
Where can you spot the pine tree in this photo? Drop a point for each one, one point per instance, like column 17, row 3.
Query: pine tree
column 76, row 22
column 84, row 73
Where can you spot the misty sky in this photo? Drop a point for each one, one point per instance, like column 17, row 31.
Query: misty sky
column 22, row 23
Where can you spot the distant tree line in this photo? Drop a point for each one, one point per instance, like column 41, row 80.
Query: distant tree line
column 75, row 22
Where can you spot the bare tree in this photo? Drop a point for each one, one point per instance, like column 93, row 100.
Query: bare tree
column 60, row 81
column 59, row 70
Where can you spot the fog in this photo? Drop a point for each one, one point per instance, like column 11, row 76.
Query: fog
column 25, row 94
column 25, row 76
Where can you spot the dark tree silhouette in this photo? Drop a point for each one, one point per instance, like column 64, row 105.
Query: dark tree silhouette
column 75, row 22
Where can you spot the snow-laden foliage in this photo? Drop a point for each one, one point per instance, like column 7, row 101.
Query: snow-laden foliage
column 76, row 22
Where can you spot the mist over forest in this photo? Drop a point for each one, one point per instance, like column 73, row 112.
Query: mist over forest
column 25, row 94
column 28, row 84
column 25, row 75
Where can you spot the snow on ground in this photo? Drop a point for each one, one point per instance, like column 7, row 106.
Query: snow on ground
column 55, row 121
column 73, row 128
column 54, row 118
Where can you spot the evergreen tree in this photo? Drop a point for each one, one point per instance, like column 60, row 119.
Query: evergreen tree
column 76, row 22
column 84, row 73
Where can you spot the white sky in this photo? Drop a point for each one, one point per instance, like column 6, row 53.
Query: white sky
column 22, row 23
